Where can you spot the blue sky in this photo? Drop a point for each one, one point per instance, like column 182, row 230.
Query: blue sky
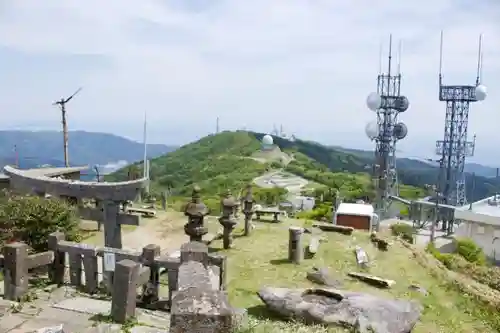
column 307, row 65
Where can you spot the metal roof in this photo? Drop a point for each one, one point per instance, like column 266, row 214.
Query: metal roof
column 53, row 172
column 485, row 211
column 355, row 209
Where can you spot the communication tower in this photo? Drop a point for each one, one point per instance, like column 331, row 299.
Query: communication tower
column 387, row 103
column 454, row 147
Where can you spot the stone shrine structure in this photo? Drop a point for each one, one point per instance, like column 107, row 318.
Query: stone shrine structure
column 248, row 203
column 196, row 212
column 109, row 195
column 228, row 219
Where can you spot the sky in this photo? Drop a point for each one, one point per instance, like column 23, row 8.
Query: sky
column 307, row 65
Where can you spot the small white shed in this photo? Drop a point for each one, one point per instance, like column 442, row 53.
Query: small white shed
column 357, row 215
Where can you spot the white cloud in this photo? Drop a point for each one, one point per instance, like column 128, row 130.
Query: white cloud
column 306, row 64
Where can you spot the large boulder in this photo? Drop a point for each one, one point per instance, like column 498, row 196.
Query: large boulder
column 362, row 312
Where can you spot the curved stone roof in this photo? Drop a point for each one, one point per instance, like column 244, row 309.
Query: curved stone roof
column 29, row 181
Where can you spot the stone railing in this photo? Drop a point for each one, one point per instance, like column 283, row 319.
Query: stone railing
column 125, row 271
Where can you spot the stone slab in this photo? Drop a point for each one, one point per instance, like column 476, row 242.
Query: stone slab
column 85, row 305
column 11, row 322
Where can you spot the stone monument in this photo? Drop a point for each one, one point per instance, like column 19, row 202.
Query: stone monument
column 228, row 219
column 248, row 203
column 196, row 212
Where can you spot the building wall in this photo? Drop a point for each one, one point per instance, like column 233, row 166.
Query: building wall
column 355, row 221
column 485, row 235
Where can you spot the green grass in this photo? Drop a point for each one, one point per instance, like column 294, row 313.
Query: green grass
column 257, row 261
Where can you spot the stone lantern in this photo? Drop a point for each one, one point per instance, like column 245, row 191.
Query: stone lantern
column 228, row 220
column 248, row 202
column 196, row 212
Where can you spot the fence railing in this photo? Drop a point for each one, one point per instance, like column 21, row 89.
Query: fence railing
column 124, row 271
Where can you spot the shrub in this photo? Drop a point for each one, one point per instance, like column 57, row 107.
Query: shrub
column 403, row 230
column 470, row 251
column 30, row 219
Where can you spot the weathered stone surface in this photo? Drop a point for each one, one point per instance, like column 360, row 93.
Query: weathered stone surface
column 363, row 312
column 322, row 277
column 201, row 310
column 373, row 280
column 335, row 228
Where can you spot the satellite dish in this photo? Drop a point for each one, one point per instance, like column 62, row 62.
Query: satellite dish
column 400, row 131
column 267, row 140
column 372, row 131
column 481, row 92
column 402, row 104
column 374, row 101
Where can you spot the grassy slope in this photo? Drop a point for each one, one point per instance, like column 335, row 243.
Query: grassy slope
column 223, row 161
column 257, row 261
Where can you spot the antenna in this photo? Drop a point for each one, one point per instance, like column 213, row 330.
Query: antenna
column 217, row 128
column 400, row 47
column 380, row 52
column 390, row 56
column 479, row 60
column 62, row 104
column 145, row 171
column 441, row 58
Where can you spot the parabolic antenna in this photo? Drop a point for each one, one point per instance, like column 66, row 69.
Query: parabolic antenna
column 267, row 140
column 481, row 92
column 400, row 131
column 402, row 103
column 372, row 130
column 374, row 101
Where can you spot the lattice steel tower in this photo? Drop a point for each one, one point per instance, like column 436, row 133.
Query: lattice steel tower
column 388, row 103
column 454, row 147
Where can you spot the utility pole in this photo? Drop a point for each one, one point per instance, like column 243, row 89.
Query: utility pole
column 62, row 104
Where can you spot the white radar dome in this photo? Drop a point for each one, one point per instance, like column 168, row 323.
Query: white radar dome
column 481, row 92
column 372, row 130
column 374, row 101
column 267, row 140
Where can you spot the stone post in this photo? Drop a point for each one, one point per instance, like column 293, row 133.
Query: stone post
column 196, row 212
column 112, row 229
column 125, row 281
column 295, row 251
column 163, row 198
column 56, row 270
column 248, row 209
column 15, row 270
column 228, row 220
column 150, row 292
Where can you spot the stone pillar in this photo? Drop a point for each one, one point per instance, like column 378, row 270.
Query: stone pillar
column 228, row 220
column 196, row 212
column 150, row 292
column 15, row 270
column 112, row 229
column 248, row 209
column 295, row 250
column 123, row 302
column 163, row 199
column 56, row 270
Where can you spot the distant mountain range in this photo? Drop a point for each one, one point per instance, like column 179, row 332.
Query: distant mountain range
column 106, row 151
column 420, row 164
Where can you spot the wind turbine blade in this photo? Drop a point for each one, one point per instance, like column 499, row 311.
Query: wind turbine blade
column 74, row 94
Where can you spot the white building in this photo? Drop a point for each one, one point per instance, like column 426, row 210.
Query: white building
column 480, row 221
column 357, row 215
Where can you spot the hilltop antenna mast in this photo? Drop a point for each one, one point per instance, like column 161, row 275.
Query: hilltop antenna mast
column 62, row 104
column 388, row 103
column 454, row 147
column 145, row 164
column 217, row 128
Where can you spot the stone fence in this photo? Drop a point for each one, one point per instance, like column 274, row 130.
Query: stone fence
column 125, row 272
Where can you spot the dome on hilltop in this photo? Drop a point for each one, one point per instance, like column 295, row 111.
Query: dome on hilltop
column 267, row 140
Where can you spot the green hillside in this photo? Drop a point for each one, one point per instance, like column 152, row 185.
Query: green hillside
column 227, row 160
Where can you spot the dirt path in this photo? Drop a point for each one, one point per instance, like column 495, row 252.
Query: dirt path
column 166, row 230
